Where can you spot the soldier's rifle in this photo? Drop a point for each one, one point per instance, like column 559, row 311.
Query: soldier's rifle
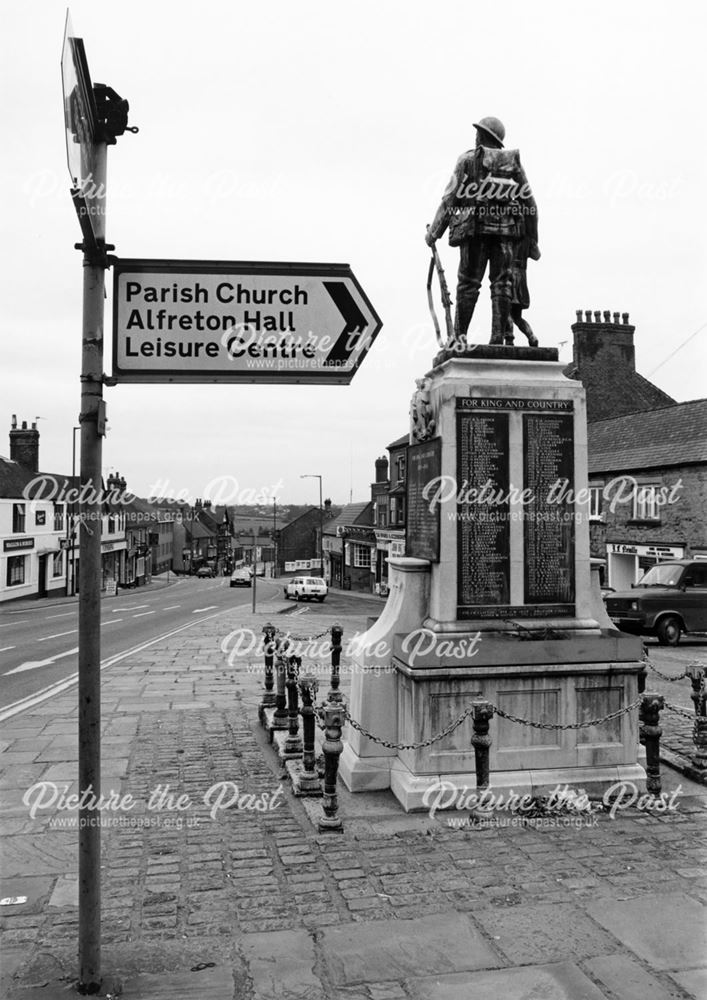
column 436, row 265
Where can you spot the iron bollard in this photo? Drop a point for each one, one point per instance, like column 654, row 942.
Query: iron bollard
column 333, row 718
column 293, row 743
column 651, row 705
column 268, row 700
column 481, row 741
column 335, row 696
column 305, row 779
column 280, row 718
column 696, row 673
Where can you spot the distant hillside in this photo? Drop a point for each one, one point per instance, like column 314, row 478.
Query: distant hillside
column 285, row 512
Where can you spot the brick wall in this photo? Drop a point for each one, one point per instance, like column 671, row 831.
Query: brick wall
column 298, row 540
column 683, row 522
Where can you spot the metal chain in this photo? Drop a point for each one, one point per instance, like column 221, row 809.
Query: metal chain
column 409, row 746
column 498, row 711
column 305, row 638
column 680, row 677
column 679, row 711
column 573, row 725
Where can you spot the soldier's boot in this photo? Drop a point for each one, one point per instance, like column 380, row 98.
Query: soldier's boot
column 501, row 321
column 463, row 314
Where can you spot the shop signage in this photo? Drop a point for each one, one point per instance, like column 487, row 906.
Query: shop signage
column 651, row 551
column 13, row 544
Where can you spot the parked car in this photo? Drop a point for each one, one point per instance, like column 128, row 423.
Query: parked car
column 306, row 588
column 241, row 578
column 205, row 571
column 670, row 599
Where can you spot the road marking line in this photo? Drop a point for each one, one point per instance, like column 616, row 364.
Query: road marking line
column 172, row 607
column 5, row 648
column 58, row 635
column 65, row 615
column 10, row 624
column 36, row 699
column 143, row 613
column 133, row 607
column 33, row 664
column 112, row 621
column 211, row 607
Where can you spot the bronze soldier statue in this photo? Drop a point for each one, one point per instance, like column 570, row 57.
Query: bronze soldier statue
column 491, row 215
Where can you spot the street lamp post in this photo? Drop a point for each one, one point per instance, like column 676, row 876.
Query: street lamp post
column 321, row 521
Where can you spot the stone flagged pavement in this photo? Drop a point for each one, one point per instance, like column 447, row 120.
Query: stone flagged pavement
column 253, row 903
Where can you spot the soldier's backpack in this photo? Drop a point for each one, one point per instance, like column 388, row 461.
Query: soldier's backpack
column 492, row 198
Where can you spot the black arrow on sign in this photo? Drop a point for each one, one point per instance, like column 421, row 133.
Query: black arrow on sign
column 356, row 322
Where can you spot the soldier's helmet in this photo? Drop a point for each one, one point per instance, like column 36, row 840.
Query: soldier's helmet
column 493, row 127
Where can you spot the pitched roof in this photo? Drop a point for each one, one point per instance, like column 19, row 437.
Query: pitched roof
column 399, row 442
column 305, row 513
column 353, row 513
column 673, row 435
column 14, row 478
column 614, row 391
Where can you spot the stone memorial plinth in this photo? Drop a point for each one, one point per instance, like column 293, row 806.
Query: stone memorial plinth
column 493, row 599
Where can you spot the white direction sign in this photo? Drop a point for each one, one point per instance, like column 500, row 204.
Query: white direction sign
column 214, row 321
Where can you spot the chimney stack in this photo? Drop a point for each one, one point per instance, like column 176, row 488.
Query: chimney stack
column 382, row 469
column 604, row 340
column 604, row 361
column 24, row 445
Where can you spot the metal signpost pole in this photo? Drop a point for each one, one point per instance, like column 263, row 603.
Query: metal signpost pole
column 93, row 117
column 90, row 510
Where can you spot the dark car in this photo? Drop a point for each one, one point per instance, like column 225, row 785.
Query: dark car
column 241, row 578
column 205, row 571
column 670, row 599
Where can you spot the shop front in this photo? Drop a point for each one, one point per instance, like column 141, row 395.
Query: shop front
column 112, row 564
column 628, row 561
column 388, row 544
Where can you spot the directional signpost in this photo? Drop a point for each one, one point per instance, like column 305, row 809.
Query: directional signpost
column 208, row 321
column 173, row 321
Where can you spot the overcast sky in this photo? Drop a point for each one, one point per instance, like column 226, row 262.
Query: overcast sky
column 315, row 131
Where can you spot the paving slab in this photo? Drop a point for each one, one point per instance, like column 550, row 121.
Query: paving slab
column 33, row 889
column 694, row 981
column 668, row 931
column 561, row 981
column 206, row 984
column 66, row 891
column 545, row 933
column 403, row 949
column 625, row 976
column 281, row 965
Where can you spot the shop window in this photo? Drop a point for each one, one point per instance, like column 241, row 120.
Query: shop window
column 595, row 498
column 362, row 556
column 58, row 517
column 397, row 510
column 58, row 564
column 645, row 504
column 18, row 518
column 16, row 568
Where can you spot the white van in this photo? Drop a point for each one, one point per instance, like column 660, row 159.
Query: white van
column 306, row 588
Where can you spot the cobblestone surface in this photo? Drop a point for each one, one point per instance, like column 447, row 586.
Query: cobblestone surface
column 216, row 852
